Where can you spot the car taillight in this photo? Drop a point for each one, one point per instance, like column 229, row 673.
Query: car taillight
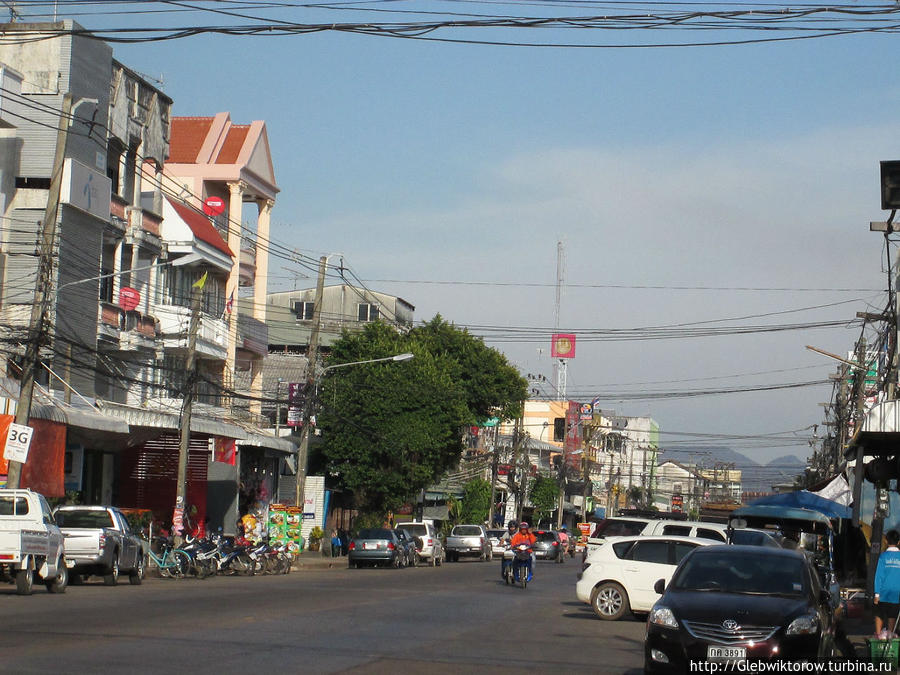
column 102, row 540
column 352, row 546
column 390, row 546
column 430, row 541
column 556, row 543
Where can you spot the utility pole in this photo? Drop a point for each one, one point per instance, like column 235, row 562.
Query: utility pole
column 187, row 408
column 42, row 292
column 311, row 362
column 587, row 488
column 495, row 463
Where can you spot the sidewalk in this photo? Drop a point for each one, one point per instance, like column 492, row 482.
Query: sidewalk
column 315, row 560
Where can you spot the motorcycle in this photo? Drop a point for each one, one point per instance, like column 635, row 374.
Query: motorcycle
column 517, row 569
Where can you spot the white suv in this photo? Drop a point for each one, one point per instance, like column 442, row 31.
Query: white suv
column 620, row 573
column 432, row 549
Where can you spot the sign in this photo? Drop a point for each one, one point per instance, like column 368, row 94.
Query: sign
column 572, row 442
column 18, row 440
column 85, row 189
column 295, row 410
column 677, row 504
column 213, row 206
column 587, row 412
column 584, row 531
column 562, row 345
column 129, row 298
column 491, row 422
column 309, row 516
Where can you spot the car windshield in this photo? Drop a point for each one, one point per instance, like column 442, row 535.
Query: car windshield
column 751, row 538
column 545, row 536
column 86, row 519
column 374, row 534
column 619, row 528
column 416, row 530
column 466, row 531
column 738, row 572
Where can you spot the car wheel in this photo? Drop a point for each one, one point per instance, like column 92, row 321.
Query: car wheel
column 61, row 580
column 111, row 578
column 25, row 580
column 609, row 601
column 137, row 575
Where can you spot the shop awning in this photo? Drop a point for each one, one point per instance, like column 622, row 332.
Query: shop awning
column 77, row 414
column 166, row 415
column 280, row 445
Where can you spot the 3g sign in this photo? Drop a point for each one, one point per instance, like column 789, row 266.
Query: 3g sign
column 18, row 440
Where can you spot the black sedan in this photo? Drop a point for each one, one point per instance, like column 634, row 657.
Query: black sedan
column 738, row 603
column 376, row 546
column 547, row 545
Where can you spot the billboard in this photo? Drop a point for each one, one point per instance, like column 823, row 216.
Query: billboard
column 562, row 345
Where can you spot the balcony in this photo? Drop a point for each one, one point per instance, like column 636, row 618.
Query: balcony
column 252, row 335
column 126, row 331
column 173, row 326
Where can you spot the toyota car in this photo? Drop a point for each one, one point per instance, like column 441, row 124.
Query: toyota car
column 729, row 604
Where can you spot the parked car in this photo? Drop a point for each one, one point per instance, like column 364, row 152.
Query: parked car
column 408, row 542
column 650, row 527
column 547, row 545
column 495, row 536
column 620, row 574
column 100, row 541
column 376, row 546
column 432, row 548
column 469, row 540
column 731, row 604
column 31, row 545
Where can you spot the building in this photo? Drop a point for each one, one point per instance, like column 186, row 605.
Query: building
column 724, row 484
column 679, row 488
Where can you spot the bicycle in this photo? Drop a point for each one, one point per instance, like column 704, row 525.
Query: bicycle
column 171, row 562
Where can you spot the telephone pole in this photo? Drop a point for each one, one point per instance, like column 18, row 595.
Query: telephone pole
column 37, row 322
column 311, row 362
column 187, row 408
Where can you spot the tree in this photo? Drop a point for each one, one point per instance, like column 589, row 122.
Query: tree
column 544, row 496
column 391, row 429
column 476, row 501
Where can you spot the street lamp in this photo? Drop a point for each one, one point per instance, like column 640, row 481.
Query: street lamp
column 303, row 450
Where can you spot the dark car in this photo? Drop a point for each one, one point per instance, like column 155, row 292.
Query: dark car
column 547, row 545
column 729, row 604
column 408, row 542
column 376, row 546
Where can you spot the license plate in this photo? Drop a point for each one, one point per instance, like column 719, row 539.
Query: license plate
column 726, row 653
column 369, row 545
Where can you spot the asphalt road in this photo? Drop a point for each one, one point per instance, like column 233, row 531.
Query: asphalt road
column 459, row 618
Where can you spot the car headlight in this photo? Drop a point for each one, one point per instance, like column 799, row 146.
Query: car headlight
column 803, row 625
column 663, row 616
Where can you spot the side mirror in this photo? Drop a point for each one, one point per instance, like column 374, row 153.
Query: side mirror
column 659, row 586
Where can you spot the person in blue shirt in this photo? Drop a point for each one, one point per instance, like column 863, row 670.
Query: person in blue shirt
column 887, row 584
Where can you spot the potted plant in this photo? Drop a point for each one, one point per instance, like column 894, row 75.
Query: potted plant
column 315, row 538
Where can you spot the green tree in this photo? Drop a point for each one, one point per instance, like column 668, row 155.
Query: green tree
column 391, row 429
column 544, row 496
column 476, row 501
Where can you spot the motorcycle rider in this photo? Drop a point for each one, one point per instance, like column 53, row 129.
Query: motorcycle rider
column 524, row 536
column 563, row 543
column 511, row 528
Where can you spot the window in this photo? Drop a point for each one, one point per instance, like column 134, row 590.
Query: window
column 367, row 312
column 705, row 533
column 304, row 310
column 677, row 530
column 621, row 549
column 13, row 506
column 682, row 549
column 106, row 285
column 32, row 183
column 559, row 429
column 651, row 551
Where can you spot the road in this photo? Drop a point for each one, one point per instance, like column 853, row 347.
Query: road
column 459, row 618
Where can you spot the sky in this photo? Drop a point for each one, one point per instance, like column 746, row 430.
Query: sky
column 727, row 167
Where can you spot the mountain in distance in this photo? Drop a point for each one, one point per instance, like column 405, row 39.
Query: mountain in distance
column 755, row 477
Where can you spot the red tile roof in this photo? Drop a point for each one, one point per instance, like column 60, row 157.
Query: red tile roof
column 187, row 137
column 201, row 227
column 234, row 141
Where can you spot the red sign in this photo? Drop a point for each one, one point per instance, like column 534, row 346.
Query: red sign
column 129, row 298
column 562, row 345
column 214, row 206
column 677, row 503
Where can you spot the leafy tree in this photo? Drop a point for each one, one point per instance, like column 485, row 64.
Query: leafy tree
column 476, row 501
column 544, row 496
column 391, row 429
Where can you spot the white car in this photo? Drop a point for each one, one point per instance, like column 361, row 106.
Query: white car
column 620, row 573
column 432, row 548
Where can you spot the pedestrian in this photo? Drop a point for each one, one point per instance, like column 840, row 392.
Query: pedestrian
column 335, row 544
column 887, row 586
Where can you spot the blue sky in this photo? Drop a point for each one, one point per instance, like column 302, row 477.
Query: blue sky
column 722, row 166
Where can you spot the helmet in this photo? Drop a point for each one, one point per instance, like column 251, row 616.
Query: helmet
column 512, row 525
column 523, row 525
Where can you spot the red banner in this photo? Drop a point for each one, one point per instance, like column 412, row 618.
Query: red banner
column 573, row 435
column 225, row 451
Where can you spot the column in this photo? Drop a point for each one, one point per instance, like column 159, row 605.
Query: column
column 260, row 289
column 235, row 205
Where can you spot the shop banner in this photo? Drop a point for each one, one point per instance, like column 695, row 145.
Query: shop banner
column 277, row 526
column 293, row 522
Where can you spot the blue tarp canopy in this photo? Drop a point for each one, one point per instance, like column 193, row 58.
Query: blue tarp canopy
column 804, row 499
column 783, row 517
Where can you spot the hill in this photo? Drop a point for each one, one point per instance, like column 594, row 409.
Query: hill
column 756, row 477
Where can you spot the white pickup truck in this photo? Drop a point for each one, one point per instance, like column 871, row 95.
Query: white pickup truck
column 31, row 545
